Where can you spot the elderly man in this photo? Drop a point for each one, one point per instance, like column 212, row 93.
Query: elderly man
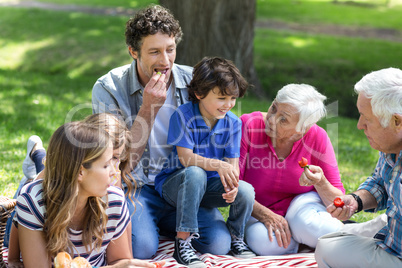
column 380, row 106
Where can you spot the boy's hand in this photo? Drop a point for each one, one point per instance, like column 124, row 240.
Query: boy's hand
column 230, row 195
column 229, row 175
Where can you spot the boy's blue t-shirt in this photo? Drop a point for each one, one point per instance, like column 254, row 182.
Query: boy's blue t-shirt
column 187, row 129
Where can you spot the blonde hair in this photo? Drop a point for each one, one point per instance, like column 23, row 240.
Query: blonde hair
column 72, row 146
column 121, row 136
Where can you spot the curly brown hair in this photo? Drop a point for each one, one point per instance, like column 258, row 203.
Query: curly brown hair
column 150, row 21
column 213, row 72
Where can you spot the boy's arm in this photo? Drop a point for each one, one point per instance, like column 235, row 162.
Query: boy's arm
column 230, row 195
column 228, row 171
column 235, row 163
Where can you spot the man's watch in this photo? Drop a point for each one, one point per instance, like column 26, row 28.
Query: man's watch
column 359, row 202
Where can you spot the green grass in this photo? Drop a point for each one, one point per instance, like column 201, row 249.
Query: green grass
column 104, row 3
column 50, row 61
column 332, row 64
column 72, row 44
column 350, row 13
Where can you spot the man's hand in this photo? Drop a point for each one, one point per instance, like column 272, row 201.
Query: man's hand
column 343, row 213
column 154, row 95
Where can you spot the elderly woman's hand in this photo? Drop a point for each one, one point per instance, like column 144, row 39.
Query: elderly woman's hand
column 311, row 176
column 278, row 225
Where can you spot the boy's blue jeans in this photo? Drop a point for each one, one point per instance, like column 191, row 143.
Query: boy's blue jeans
column 152, row 214
column 189, row 190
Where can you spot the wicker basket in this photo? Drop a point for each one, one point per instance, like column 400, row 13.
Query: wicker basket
column 6, row 207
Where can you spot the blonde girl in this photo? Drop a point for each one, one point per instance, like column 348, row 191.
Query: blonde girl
column 121, row 138
column 74, row 208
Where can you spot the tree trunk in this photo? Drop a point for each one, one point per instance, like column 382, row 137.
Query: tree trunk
column 222, row 28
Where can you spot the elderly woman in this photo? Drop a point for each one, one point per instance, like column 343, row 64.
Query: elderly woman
column 290, row 206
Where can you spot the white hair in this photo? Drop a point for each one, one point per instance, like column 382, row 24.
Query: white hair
column 384, row 88
column 308, row 102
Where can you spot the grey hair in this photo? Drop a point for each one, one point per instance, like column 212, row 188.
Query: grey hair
column 308, row 102
column 384, row 88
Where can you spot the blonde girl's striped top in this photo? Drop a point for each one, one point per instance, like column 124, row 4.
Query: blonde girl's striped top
column 31, row 214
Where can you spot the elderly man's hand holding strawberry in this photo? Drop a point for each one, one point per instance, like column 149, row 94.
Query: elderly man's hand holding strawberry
column 343, row 212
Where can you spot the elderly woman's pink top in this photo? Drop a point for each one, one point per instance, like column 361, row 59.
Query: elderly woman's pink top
column 276, row 182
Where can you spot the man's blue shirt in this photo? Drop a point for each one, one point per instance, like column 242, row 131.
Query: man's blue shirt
column 386, row 186
column 188, row 129
column 120, row 92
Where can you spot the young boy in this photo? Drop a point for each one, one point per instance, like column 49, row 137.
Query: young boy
column 202, row 169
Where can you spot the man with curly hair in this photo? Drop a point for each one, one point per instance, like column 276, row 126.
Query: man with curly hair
column 146, row 93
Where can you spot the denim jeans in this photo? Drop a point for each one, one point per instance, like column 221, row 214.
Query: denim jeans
column 8, row 229
column 152, row 215
column 37, row 158
column 23, row 181
column 189, row 190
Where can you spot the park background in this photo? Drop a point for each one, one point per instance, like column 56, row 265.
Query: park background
column 51, row 55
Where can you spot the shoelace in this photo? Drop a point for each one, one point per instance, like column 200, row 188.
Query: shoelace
column 187, row 251
column 239, row 244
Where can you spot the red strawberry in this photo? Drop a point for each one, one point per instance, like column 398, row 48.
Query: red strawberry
column 338, row 202
column 157, row 265
column 303, row 163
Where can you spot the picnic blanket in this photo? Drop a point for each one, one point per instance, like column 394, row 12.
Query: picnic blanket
column 166, row 248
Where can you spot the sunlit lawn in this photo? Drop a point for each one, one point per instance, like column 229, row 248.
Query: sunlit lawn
column 50, row 61
column 366, row 13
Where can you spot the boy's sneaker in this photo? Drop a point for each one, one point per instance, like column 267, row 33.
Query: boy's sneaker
column 184, row 253
column 28, row 166
column 239, row 249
